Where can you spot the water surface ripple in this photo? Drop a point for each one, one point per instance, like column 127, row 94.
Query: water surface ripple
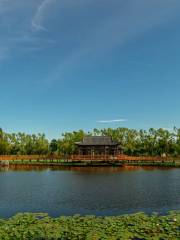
column 80, row 190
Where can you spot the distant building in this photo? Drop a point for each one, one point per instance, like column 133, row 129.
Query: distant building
column 98, row 145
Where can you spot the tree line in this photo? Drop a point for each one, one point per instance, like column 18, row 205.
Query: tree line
column 152, row 142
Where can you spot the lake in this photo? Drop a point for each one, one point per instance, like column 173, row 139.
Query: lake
column 88, row 190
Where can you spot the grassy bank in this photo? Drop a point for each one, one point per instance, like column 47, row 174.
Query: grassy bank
column 97, row 163
column 136, row 226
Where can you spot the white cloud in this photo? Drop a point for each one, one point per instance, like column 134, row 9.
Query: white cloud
column 112, row 121
column 107, row 33
column 18, row 39
column 39, row 15
column 137, row 18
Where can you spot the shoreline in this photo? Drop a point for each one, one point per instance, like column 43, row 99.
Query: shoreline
column 175, row 164
column 107, row 165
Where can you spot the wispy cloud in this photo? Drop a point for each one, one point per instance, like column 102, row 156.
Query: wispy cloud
column 92, row 38
column 17, row 19
column 38, row 17
column 115, row 31
column 112, row 121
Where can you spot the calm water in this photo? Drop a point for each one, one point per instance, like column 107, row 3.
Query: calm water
column 100, row 191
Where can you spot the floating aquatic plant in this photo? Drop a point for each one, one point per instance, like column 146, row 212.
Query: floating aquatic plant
column 136, row 227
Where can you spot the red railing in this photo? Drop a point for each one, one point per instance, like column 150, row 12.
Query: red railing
column 93, row 157
column 83, row 158
column 28, row 157
column 118, row 158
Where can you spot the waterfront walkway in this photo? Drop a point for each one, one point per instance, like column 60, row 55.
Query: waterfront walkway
column 88, row 160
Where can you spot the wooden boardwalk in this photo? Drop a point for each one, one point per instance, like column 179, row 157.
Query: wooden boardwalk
column 84, row 158
column 119, row 158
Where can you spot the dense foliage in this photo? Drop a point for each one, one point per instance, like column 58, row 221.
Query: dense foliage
column 152, row 142
column 136, row 226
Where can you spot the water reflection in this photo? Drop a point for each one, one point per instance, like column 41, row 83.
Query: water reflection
column 88, row 190
column 41, row 167
column 4, row 168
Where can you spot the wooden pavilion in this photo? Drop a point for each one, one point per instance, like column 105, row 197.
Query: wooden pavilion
column 98, row 145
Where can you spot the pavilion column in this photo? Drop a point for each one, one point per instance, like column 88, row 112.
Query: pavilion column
column 80, row 151
column 105, row 151
column 115, row 151
column 92, row 152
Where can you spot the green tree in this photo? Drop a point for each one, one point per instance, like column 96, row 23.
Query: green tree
column 53, row 146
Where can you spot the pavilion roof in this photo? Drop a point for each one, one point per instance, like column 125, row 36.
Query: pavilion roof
column 97, row 140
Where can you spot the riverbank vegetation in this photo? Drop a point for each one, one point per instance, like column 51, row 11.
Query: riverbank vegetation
column 135, row 226
column 152, row 142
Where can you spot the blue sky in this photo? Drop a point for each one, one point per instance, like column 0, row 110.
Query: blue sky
column 71, row 64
